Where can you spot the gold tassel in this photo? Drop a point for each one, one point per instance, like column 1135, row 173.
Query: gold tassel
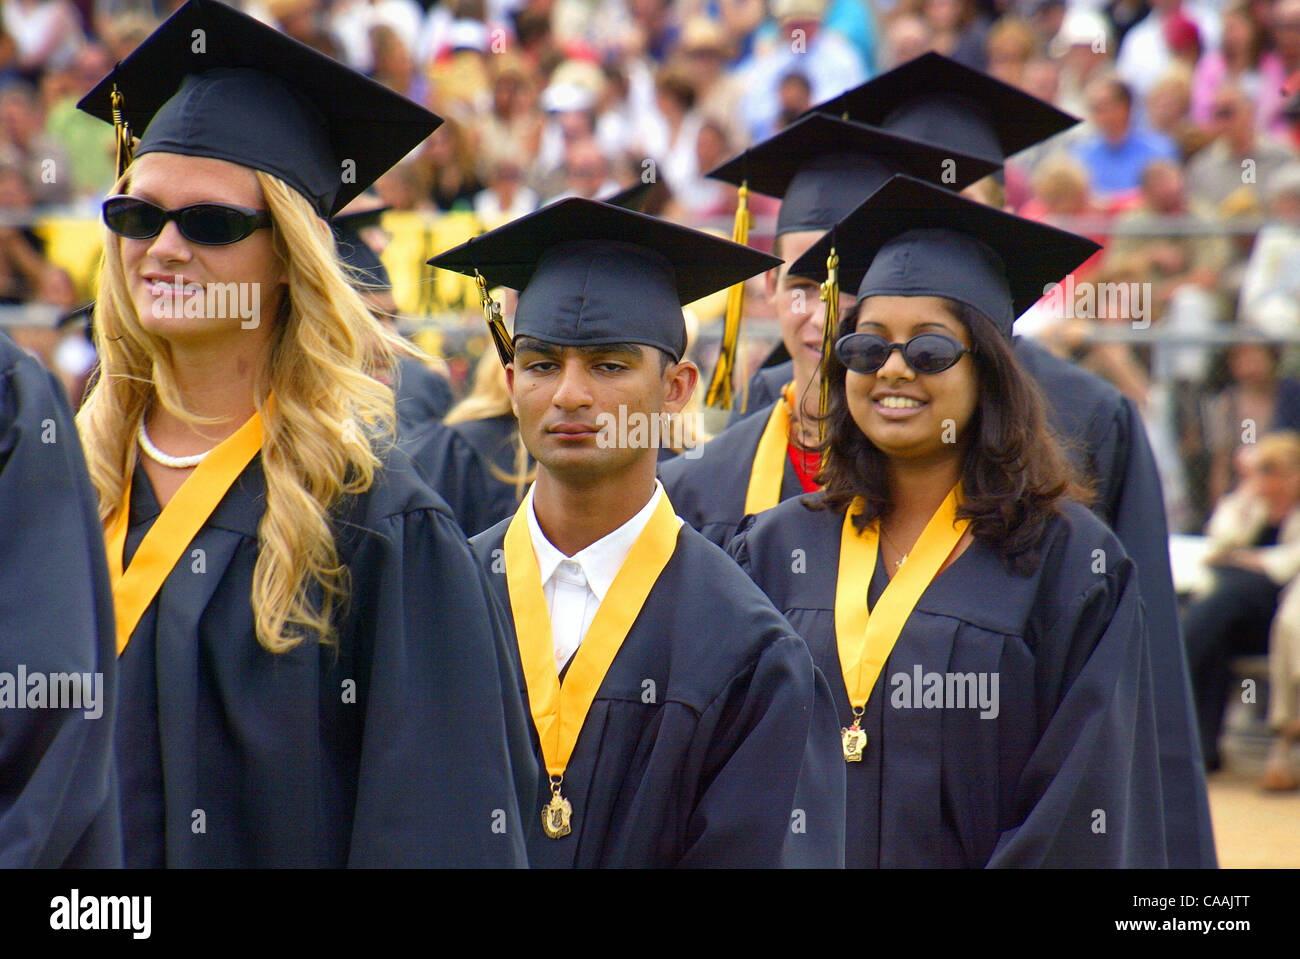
column 496, row 325
column 830, row 295
column 719, row 394
column 125, row 142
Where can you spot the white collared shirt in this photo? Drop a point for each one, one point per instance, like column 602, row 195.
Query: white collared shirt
column 576, row 585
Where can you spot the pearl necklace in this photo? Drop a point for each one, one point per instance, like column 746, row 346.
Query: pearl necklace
column 158, row 456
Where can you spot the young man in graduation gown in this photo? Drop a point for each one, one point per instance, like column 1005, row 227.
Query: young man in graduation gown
column 306, row 679
column 822, row 167
column 936, row 100
column 679, row 719
column 989, row 657
column 58, row 658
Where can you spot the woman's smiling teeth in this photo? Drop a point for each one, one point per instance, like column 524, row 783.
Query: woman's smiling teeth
column 899, row 402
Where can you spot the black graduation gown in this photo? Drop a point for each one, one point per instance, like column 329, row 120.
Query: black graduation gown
column 708, row 490
column 456, row 472
column 421, row 394
column 1074, row 732
column 1105, row 438
column 1111, row 445
column 389, row 748
column 712, row 739
column 58, row 783
column 494, row 440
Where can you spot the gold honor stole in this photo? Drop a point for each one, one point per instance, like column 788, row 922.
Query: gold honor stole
column 866, row 639
column 769, row 461
column 185, row 513
column 559, row 710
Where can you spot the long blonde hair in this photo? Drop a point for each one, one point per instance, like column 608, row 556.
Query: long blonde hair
column 323, row 435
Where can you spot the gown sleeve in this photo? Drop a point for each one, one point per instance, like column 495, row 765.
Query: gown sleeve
column 445, row 756
column 1091, row 790
column 774, row 780
column 738, row 546
column 421, row 395
column 456, row 472
column 1138, row 518
column 58, row 784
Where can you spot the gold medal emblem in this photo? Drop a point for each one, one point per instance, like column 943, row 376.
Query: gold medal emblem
column 854, row 737
column 556, row 814
column 855, row 740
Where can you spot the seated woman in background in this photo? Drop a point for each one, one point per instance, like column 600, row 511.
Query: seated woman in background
column 1254, row 537
column 1256, row 400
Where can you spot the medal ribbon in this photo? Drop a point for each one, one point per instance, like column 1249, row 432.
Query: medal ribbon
column 769, row 461
column 177, row 525
column 866, row 639
column 559, row 711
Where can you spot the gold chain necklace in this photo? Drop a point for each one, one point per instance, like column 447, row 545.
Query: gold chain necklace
column 890, row 540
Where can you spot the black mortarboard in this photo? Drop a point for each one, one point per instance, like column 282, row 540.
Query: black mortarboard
column 913, row 239
column 214, row 82
column 822, row 168
column 938, row 101
column 632, row 198
column 356, row 222
column 590, row 273
column 366, row 268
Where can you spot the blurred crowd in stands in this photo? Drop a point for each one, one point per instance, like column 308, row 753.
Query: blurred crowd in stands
column 1185, row 167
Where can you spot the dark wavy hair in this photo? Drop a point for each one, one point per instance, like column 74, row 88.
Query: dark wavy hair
column 1014, row 472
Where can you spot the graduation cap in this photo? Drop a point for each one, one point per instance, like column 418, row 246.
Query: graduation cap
column 914, row 239
column 938, row 101
column 590, row 273
column 366, row 269
column 214, row 82
column 823, row 167
column 361, row 220
column 640, row 197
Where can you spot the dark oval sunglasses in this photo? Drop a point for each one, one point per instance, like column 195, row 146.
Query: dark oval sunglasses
column 208, row 224
column 926, row 353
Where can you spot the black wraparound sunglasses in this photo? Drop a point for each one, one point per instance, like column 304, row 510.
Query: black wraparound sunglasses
column 208, row 224
column 926, row 353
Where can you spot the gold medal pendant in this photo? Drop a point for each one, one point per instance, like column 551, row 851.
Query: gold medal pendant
column 854, row 738
column 557, row 814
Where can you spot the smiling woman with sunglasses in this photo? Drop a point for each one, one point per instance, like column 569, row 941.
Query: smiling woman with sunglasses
column 981, row 629
column 310, row 664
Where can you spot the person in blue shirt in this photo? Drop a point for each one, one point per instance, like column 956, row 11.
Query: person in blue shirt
column 1119, row 150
